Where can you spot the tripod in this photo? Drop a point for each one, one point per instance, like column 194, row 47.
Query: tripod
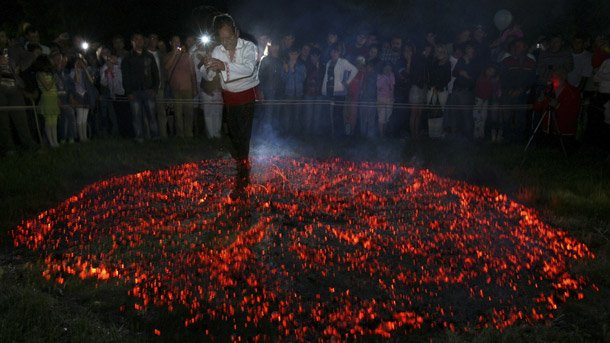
column 551, row 116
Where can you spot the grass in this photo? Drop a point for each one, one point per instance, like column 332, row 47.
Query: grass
column 572, row 193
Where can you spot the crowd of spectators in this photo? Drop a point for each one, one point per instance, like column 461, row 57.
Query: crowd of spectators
column 473, row 86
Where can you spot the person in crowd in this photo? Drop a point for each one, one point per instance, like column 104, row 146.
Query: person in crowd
column 211, row 96
column 501, row 46
column 462, row 38
column 350, row 116
column 596, row 128
column 392, row 53
column 4, row 40
column 481, row 46
column 373, row 59
column 111, row 80
column 466, row 73
column 195, row 48
column 367, row 111
column 11, row 94
column 454, row 57
column 182, row 81
column 583, row 68
column 372, row 39
column 580, row 75
column 33, row 37
column 161, row 109
column 430, row 46
column 357, row 48
column 65, row 91
column 287, row 43
column 304, row 53
column 338, row 74
column 563, row 100
column 385, row 85
column 190, row 44
column 118, row 47
column 271, row 85
column 49, row 99
column 63, row 43
column 293, row 78
column 600, row 50
column 263, row 42
column 487, row 91
column 517, row 77
column 235, row 60
column 403, row 70
column 28, row 74
column 141, row 82
column 332, row 39
column 162, row 47
column 439, row 76
column 416, row 92
column 314, row 113
column 555, row 58
column 85, row 95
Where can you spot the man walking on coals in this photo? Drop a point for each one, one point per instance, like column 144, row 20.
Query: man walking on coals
column 235, row 60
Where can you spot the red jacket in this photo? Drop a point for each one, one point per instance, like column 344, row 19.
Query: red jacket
column 567, row 111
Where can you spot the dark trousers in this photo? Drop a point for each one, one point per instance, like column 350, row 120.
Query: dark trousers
column 239, row 124
column 337, row 109
column 12, row 96
column 144, row 115
column 460, row 118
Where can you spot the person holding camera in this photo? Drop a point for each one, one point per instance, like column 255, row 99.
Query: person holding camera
column 182, row 82
column 84, row 97
column 561, row 100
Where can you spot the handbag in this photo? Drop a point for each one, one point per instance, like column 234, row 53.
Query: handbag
column 434, row 109
column 434, row 112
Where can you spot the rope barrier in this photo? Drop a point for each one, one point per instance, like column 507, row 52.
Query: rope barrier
column 312, row 102
column 316, row 102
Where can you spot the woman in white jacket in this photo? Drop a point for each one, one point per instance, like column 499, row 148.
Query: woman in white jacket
column 339, row 73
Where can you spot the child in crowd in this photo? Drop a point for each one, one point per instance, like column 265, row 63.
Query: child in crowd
column 49, row 98
column 487, row 90
column 84, row 96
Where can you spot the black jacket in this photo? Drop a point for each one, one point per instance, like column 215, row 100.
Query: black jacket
column 140, row 72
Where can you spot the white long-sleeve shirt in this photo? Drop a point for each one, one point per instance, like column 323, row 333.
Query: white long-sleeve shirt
column 112, row 78
column 603, row 77
column 240, row 74
column 344, row 71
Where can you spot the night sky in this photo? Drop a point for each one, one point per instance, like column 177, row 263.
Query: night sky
column 101, row 19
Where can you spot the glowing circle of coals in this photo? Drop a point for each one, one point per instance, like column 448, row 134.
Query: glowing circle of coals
column 322, row 249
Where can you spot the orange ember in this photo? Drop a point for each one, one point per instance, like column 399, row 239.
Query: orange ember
column 322, row 250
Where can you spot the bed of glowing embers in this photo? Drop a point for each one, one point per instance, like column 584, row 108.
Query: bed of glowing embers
column 321, row 249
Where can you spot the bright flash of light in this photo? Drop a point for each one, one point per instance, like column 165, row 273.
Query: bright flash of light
column 205, row 39
column 84, row 45
column 324, row 250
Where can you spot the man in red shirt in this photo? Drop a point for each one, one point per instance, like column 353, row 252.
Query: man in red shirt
column 564, row 100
